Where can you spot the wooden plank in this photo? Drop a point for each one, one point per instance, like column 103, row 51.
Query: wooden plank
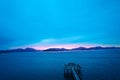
column 75, row 75
column 72, row 71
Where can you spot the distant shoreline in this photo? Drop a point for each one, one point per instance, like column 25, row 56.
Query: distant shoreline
column 57, row 49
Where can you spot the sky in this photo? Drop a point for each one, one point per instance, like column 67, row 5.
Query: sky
column 42, row 24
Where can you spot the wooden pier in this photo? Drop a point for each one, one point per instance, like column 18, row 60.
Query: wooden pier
column 72, row 71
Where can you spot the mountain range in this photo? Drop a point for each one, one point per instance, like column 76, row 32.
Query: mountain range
column 56, row 49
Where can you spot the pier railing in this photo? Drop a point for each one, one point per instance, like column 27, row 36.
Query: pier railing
column 72, row 72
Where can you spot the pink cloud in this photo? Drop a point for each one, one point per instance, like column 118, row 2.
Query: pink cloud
column 60, row 43
column 67, row 46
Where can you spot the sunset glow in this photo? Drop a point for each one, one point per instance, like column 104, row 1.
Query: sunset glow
column 42, row 24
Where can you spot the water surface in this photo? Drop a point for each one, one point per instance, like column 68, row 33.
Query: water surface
column 96, row 65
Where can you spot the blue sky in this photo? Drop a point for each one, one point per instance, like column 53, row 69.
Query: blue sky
column 59, row 23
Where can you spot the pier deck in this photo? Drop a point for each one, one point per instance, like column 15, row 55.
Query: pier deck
column 72, row 71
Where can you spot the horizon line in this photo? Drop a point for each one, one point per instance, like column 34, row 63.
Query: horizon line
column 59, row 47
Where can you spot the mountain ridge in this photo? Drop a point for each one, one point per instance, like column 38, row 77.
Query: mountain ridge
column 56, row 49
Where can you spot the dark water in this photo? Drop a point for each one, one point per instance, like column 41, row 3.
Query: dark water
column 96, row 65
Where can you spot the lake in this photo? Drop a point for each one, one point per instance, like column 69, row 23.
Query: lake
column 95, row 65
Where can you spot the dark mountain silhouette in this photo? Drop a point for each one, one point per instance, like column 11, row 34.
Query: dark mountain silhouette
column 56, row 49
column 19, row 50
column 79, row 48
column 99, row 47
column 95, row 48
column 30, row 49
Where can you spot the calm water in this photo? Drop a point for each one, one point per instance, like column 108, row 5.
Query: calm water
column 96, row 65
